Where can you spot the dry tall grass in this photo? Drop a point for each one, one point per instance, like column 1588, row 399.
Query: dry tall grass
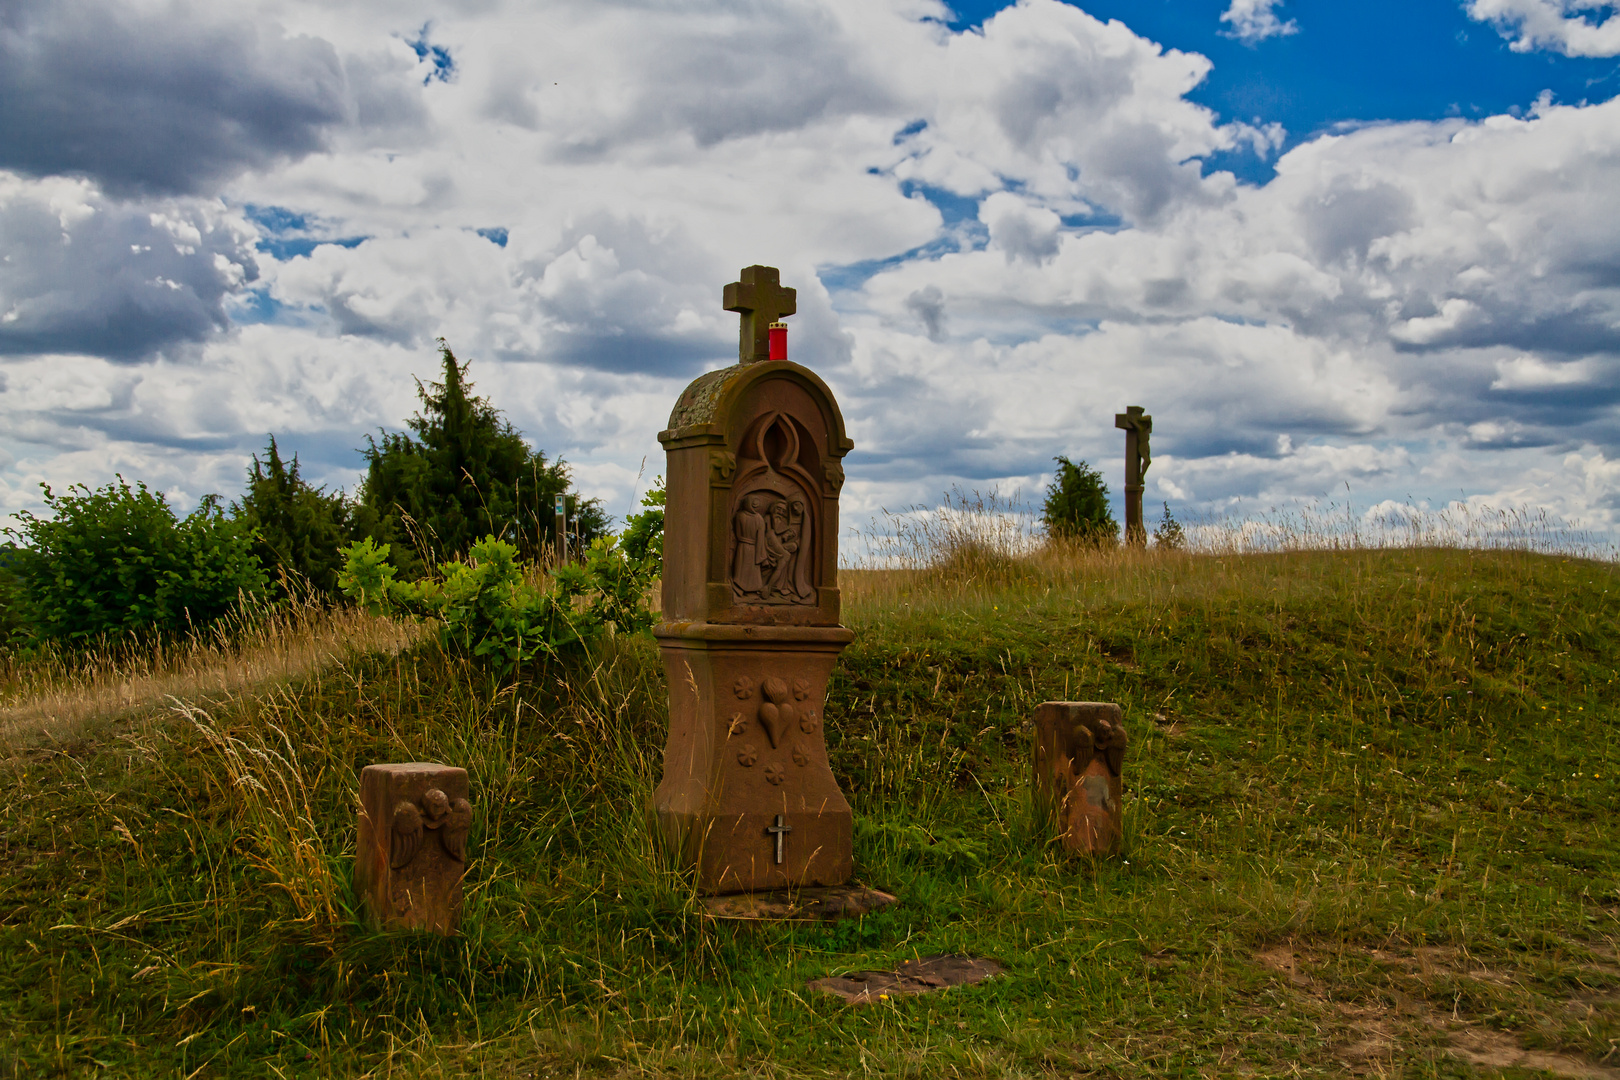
column 975, row 544
column 1336, row 526
column 52, row 697
column 974, row 532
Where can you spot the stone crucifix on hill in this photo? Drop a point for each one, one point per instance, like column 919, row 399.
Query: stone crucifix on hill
column 751, row 615
column 1138, row 428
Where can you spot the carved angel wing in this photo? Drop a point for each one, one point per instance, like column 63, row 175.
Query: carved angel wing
column 1116, row 749
column 454, row 833
column 407, row 834
column 1081, row 747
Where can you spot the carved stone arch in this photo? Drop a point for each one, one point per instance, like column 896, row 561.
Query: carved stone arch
column 776, row 516
column 731, row 402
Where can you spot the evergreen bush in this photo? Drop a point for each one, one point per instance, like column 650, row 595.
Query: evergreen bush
column 296, row 528
column 1076, row 505
column 463, row 472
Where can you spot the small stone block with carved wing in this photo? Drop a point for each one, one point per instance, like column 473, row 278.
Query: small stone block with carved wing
column 1079, row 773
column 414, row 819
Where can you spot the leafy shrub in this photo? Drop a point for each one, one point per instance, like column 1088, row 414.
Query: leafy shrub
column 296, row 527
column 1077, row 504
column 12, row 623
column 117, row 562
column 489, row 609
column 1169, row 535
column 643, row 537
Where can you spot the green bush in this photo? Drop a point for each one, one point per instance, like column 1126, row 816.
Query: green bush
column 1169, row 535
column 643, row 538
column 296, row 528
column 489, row 609
column 1077, row 504
column 12, row 625
column 116, row 562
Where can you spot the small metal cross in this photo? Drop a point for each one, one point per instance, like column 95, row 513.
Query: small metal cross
column 780, row 830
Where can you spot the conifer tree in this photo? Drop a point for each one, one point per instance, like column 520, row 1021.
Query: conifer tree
column 296, row 527
column 1077, row 504
column 462, row 473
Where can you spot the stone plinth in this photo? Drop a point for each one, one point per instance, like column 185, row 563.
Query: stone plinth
column 1078, row 777
column 751, row 614
column 414, row 819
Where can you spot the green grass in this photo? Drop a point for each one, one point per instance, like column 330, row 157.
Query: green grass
column 1370, row 806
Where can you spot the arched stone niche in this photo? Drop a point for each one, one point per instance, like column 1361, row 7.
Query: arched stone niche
column 751, row 518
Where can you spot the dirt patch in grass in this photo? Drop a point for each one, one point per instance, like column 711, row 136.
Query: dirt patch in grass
column 1386, row 1004
column 1498, row 1050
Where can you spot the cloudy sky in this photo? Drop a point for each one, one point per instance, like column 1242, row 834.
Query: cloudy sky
column 1331, row 247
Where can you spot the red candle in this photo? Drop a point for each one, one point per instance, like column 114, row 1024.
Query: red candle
column 778, row 336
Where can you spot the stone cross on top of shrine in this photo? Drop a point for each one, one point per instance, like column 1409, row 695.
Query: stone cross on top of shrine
column 761, row 300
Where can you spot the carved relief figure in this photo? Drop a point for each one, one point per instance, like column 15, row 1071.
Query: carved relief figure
column 750, row 529
column 449, row 819
column 771, row 563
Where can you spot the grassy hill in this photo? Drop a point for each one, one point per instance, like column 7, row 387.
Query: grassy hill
column 1371, row 803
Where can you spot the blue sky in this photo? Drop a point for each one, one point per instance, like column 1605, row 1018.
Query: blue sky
column 1353, row 63
column 1333, row 247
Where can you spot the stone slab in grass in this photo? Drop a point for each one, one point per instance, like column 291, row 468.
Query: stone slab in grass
column 822, row 904
column 922, row 976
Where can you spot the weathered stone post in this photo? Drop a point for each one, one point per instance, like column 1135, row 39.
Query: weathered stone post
column 1138, row 428
column 1079, row 771
column 414, row 819
column 750, row 631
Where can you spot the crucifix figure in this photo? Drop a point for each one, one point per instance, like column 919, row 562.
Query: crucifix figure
column 761, row 300
column 1138, row 426
column 780, row 830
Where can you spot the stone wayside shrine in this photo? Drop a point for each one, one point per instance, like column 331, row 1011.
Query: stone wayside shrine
column 750, row 631
column 1079, row 773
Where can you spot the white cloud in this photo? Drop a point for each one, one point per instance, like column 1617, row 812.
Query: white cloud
column 1254, row 21
column 1000, row 238
column 1533, row 373
column 1572, row 27
column 86, row 273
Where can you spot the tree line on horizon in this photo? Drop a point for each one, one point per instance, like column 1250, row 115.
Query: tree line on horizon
column 116, row 561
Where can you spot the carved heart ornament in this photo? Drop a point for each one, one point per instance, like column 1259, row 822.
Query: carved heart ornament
column 770, row 718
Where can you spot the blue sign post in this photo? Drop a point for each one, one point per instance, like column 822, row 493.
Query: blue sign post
column 561, row 529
